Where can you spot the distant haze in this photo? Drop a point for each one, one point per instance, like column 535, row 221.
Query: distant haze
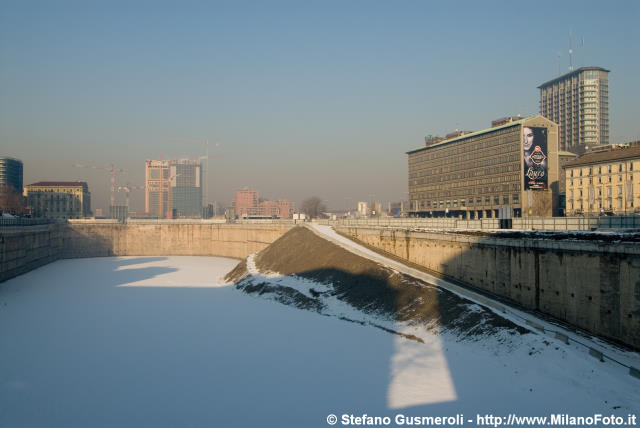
column 305, row 98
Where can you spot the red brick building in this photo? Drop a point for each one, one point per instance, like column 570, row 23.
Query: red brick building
column 247, row 204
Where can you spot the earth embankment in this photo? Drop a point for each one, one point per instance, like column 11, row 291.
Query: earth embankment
column 304, row 270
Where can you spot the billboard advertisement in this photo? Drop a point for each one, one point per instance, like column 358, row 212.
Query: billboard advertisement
column 536, row 171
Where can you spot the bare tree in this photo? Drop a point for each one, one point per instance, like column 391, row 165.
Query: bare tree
column 11, row 201
column 313, row 207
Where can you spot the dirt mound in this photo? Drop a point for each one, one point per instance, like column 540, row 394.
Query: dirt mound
column 361, row 283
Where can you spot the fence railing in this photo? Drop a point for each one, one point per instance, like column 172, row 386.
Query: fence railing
column 21, row 221
column 524, row 223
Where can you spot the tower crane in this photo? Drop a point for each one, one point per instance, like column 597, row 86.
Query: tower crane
column 113, row 170
column 128, row 188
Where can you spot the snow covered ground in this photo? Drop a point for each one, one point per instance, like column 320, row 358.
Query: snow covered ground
column 164, row 342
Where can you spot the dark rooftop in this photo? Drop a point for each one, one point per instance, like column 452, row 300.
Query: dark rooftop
column 604, row 156
column 564, row 76
column 59, row 183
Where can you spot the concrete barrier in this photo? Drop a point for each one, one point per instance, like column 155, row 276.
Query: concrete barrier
column 25, row 248
column 593, row 285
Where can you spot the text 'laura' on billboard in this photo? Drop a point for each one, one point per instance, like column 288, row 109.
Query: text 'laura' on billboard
column 536, row 169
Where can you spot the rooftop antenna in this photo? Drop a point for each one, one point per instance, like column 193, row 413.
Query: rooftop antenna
column 559, row 69
column 582, row 50
column 570, row 52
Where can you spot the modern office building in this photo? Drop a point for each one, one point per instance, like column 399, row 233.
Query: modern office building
column 579, row 103
column 604, row 181
column 156, row 192
column 11, row 173
column 59, row 199
column 185, row 185
column 173, row 188
column 513, row 165
column 11, row 199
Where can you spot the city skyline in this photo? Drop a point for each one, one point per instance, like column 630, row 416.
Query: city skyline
column 304, row 100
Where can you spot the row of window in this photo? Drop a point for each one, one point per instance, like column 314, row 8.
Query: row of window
column 577, row 172
column 580, row 193
column 601, row 180
column 494, row 200
column 424, row 194
column 607, row 204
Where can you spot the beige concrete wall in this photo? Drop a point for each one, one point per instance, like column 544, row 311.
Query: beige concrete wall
column 223, row 240
column 25, row 248
column 593, row 285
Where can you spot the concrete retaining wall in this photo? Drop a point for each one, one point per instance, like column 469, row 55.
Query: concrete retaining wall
column 593, row 285
column 25, row 248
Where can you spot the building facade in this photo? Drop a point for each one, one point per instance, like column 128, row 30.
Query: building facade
column 579, row 103
column 11, row 190
column 513, row 165
column 363, row 209
column 59, row 199
column 11, row 173
column 156, row 189
column 606, row 181
column 173, row 188
column 185, row 187
column 248, row 204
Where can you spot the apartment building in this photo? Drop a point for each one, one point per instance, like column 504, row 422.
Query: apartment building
column 59, row 199
column 604, row 181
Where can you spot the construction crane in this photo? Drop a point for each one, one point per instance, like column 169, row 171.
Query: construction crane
column 128, row 189
column 113, row 170
column 206, row 172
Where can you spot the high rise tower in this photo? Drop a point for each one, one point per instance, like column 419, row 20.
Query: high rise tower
column 579, row 103
column 173, row 188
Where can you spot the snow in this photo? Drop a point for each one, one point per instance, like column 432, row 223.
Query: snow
column 518, row 317
column 165, row 342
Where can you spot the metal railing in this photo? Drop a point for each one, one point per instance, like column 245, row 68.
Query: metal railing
column 523, row 223
column 22, row 221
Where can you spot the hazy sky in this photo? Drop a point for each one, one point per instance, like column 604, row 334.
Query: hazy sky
column 305, row 97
